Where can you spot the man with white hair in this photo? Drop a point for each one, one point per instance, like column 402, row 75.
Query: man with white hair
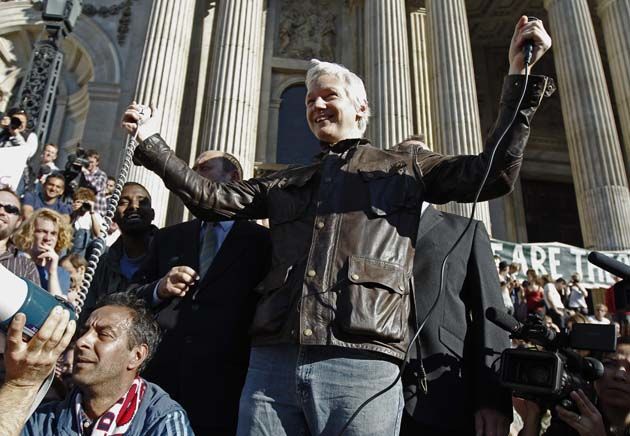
column 331, row 327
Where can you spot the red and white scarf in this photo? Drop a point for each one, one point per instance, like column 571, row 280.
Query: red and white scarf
column 116, row 420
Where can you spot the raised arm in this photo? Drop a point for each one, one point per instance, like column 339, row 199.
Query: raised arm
column 28, row 364
column 207, row 200
column 456, row 178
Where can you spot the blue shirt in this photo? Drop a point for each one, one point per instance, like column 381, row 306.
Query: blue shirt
column 64, row 278
column 129, row 265
column 36, row 201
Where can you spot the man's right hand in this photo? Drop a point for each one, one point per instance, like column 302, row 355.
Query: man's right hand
column 29, row 363
column 177, row 282
column 135, row 119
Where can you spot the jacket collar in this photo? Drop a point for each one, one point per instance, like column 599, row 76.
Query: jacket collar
column 340, row 147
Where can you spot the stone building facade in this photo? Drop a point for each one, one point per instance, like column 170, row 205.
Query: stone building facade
column 229, row 75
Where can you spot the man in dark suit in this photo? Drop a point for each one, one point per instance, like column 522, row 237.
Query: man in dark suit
column 203, row 358
column 458, row 344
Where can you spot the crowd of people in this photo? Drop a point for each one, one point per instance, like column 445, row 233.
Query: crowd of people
column 561, row 302
column 56, row 216
column 602, row 408
column 221, row 326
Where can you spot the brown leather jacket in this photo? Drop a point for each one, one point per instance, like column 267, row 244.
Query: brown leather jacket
column 343, row 229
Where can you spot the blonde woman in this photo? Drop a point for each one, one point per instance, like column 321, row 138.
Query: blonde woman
column 43, row 237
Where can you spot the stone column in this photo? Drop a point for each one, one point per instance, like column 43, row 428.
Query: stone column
column 615, row 16
column 456, row 126
column 234, row 87
column 599, row 176
column 161, row 81
column 420, row 62
column 387, row 72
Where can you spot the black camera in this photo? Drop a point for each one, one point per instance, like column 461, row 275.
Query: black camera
column 85, row 207
column 15, row 123
column 549, row 375
column 77, row 160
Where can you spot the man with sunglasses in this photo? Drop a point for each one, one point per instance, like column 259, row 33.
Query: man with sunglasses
column 10, row 220
column 19, row 265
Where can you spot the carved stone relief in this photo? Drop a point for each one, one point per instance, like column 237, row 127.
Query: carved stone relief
column 307, row 29
column 123, row 9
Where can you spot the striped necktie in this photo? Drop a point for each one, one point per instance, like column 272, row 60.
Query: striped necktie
column 208, row 248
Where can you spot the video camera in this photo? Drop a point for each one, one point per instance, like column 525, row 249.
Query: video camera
column 73, row 173
column 549, row 375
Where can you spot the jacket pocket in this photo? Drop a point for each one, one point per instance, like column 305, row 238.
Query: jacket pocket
column 389, row 190
column 375, row 304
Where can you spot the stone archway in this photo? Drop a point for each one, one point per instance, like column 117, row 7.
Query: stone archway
column 90, row 82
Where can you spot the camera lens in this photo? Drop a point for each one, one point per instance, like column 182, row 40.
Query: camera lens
column 16, row 123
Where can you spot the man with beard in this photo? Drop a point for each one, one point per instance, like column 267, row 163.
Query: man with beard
column 110, row 398
column 134, row 216
column 19, row 265
column 10, row 220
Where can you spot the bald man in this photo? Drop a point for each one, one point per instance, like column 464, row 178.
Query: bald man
column 200, row 278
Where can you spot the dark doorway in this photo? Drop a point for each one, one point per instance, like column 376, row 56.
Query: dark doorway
column 551, row 213
column 296, row 143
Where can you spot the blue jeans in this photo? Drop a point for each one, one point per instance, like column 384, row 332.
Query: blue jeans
column 294, row 390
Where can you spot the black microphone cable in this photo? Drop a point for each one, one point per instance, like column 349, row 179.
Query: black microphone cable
column 527, row 47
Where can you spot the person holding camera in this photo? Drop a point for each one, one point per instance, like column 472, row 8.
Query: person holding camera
column 15, row 149
column 98, row 179
column 577, row 295
column 85, row 221
column 608, row 414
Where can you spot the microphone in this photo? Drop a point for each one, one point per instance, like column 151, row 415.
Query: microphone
column 609, row 264
column 534, row 330
column 501, row 319
column 528, row 46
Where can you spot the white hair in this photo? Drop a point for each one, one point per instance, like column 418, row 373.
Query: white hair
column 352, row 85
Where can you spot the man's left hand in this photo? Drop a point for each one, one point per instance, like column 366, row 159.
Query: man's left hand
column 490, row 422
column 527, row 30
column 135, row 119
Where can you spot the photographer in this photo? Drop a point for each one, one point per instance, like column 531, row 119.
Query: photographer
column 85, row 221
column 577, row 295
column 98, row 179
column 553, row 301
column 608, row 415
column 15, row 150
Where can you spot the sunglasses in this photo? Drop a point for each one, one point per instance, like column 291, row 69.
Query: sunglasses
column 9, row 208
